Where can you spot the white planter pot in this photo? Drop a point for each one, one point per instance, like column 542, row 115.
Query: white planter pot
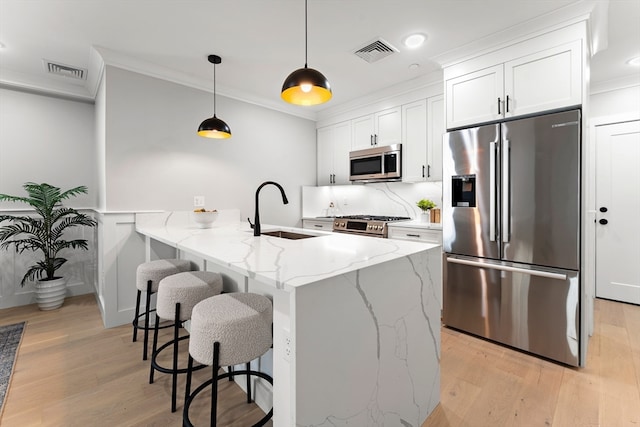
column 50, row 293
column 425, row 217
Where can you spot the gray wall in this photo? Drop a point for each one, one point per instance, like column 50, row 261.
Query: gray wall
column 46, row 139
column 155, row 159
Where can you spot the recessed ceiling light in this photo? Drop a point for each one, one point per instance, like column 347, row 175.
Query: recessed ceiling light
column 634, row 61
column 414, row 40
column 414, row 67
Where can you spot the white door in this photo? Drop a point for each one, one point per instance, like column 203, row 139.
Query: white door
column 618, row 212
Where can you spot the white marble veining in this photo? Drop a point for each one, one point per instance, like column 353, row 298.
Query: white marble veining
column 362, row 316
column 385, row 198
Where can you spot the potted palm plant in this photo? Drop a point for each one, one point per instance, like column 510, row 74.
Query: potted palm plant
column 43, row 233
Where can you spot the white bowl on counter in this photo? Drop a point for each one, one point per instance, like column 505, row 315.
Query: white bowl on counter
column 205, row 219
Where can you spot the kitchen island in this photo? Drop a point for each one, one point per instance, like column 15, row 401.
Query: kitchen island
column 356, row 319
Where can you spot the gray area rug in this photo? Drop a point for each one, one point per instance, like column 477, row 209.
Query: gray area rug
column 10, row 338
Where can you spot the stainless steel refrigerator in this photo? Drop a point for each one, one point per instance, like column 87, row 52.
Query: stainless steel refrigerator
column 511, row 233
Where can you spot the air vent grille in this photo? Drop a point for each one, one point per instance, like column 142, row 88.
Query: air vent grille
column 64, row 70
column 375, row 51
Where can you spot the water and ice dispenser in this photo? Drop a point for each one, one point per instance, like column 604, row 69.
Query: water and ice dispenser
column 463, row 188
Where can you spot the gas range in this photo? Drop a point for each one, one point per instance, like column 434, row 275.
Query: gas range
column 365, row 225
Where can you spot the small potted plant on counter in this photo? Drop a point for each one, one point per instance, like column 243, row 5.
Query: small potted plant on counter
column 426, row 205
column 43, row 233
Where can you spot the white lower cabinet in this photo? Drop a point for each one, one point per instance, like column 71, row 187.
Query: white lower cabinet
column 318, row 224
column 416, row 234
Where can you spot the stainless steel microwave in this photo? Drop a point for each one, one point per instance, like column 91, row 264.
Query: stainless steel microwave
column 376, row 164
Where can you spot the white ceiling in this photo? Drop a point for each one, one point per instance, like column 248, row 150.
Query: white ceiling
column 262, row 41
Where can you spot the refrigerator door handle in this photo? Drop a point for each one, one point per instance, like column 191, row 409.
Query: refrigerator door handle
column 547, row 274
column 492, row 191
column 506, row 232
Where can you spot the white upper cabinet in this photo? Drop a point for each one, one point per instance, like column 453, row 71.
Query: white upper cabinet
column 435, row 132
column 544, row 80
column 414, row 147
column 473, row 98
column 378, row 129
column 422, row 130
column 333, row 144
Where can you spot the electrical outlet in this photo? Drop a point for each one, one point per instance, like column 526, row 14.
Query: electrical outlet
column 287, row 347
column 198, row 201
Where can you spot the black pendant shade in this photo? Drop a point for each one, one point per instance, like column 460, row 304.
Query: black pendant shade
column 213, row 127
column 306, row 86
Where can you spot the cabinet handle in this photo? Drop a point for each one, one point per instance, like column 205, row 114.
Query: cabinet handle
column 317, row 225
column 333, row 178
column 412, row 235
column 499, row 106
column 371, row 140
column 507, row 103
column 429, row 171
column 375, row 139
column 423, row 171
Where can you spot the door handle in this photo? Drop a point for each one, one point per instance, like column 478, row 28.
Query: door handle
column 603, row 221
column 492, row 191
column 547, row 274
column 506, row 196
column 603, row 209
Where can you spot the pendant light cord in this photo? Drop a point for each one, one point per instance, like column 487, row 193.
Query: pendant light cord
column 306, row 35
column 214, row 90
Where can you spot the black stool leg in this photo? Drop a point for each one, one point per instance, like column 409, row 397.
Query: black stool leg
column 248, row 383
column 135, row 318
column 146, row 321
column 153, row 352
column 187, row 387
column 174, row 379
column 214, row 383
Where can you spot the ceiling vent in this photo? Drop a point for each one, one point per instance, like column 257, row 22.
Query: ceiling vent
column 375, row 51
column 64, row 70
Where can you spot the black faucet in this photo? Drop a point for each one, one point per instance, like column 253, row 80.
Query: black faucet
column 256, row 220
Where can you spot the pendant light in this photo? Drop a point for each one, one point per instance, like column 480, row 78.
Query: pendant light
column 213, row 127
column 306, row 86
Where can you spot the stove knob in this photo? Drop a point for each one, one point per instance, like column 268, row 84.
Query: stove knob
column 342, row 224
column 375, row 227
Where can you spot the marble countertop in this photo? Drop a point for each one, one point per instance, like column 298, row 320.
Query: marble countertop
column 281, row 263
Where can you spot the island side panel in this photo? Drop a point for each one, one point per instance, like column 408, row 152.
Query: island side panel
column 367, row 345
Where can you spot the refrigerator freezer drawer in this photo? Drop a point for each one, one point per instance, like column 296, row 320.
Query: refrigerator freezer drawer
column 532, row 309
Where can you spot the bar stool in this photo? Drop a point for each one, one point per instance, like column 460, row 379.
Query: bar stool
column 177, row 295
column 226, row 330
column 148, row 276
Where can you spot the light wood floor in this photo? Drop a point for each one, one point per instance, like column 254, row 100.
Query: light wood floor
column 73, row 372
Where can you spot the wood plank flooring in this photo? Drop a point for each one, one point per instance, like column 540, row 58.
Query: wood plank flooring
column 72, row 372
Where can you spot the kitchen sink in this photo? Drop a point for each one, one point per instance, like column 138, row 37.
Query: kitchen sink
column 287, row 234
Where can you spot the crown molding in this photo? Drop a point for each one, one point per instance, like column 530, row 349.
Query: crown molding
column 593, row 11
column 119, row 60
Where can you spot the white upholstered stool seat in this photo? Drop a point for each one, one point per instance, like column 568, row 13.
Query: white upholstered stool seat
column 177, row 295
column 226, row 330
column 148, row 277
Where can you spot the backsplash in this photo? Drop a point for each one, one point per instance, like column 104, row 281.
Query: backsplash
column 385, row 198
